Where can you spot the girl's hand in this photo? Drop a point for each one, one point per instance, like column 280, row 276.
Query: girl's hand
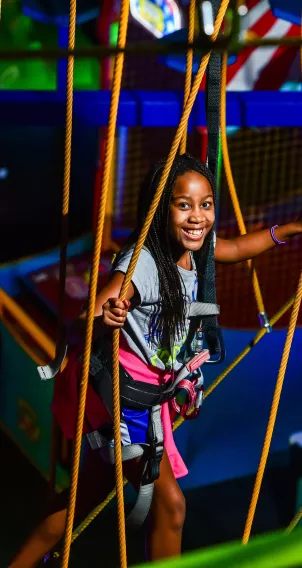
column 115, row 312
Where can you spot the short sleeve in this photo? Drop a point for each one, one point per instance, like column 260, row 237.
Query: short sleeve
column 144, row 274
column 214, row 239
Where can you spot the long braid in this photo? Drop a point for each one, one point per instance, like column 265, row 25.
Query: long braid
column 170, row 319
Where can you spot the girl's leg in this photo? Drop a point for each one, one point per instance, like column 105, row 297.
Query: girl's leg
column 167, row 511
column 96, row 480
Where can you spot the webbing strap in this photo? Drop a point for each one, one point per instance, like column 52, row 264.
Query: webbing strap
column 153, row 452
column 213, row 124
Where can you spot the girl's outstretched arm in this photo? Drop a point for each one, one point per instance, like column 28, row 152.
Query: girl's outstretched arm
column 252, row 244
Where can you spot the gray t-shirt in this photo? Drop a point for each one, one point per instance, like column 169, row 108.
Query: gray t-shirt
column 137, row 328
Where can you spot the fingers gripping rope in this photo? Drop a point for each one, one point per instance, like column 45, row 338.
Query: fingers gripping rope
column 273, row 413
column 116, row 86
column 233, row 192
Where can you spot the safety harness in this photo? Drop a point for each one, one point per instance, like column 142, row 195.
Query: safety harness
column 139, row 395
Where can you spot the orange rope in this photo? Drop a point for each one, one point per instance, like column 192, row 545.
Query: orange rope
column 230, row 180
column 189, row 68
column 175, row 145
column 273, row 413
column 261, row 333
column 116, row 86
column 139, row 244
column 65, row 211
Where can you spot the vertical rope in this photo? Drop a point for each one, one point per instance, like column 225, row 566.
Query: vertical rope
column 134, row 258
column 175, row 145
column 273, row 413
column 189, row 68
column 140, row 241
column 78, row 531
column 231, row 184
column 65, row 211
column 116, row 86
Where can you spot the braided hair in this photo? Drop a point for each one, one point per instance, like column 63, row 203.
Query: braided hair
column 170, row 319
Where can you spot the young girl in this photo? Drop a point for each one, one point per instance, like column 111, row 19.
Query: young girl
column 167, row 276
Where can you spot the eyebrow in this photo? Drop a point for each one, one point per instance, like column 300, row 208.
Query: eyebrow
column 188, row 196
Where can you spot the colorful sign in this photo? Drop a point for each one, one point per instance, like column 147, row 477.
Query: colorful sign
column 160, row 17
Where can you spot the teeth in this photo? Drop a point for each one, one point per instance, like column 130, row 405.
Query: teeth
column 194, row 232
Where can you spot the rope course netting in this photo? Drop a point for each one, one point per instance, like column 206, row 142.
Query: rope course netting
column 269, row 146
column 256, row 156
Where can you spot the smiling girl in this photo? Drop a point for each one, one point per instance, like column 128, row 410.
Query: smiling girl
column 169, row 270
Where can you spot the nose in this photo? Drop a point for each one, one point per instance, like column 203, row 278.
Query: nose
column 198, row 215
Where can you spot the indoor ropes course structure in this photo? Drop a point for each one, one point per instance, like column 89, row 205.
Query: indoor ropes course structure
column 178, row 143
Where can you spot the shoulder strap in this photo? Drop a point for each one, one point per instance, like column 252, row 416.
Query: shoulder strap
column 207, row 293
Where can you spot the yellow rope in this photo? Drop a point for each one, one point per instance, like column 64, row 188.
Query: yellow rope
column 115, row 374
column 94, row 514
column 116, row 85
column 261, row 333
column 65, row 209
column 294, row 521
column 230, row 179
column 215, row 384
column 189, row 68
column 179, row 133
column 273, row 413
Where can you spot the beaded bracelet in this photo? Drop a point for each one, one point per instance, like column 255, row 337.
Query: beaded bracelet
column 274, row 236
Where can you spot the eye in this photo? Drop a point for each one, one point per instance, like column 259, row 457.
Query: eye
column 207, row 204
column 183, row 205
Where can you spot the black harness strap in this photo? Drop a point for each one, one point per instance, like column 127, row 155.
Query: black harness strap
column 212, row 98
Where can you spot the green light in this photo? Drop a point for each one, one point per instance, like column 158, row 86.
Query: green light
column 113, row 34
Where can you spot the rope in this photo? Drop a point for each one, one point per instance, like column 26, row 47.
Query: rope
column 215, row 384
column 128, row 277
column 116, row 86
column 261, row 333
column 294, row 522
column 273, row 413
column 230, row 180
column 65, row 208
column 172, row 154
column 189, row 68
column 94, row 514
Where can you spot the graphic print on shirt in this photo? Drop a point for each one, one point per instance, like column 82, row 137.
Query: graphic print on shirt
column 154, row 339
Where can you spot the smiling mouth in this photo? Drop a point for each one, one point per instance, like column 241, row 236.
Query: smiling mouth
column 194, row 234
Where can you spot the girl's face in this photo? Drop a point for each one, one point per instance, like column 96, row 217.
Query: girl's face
column 192, row 213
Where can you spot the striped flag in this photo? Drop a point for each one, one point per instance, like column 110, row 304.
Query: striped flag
column 262, row 68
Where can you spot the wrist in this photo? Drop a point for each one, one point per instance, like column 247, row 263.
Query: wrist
column 285, row 232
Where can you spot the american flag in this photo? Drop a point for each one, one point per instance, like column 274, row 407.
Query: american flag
column 268, row 68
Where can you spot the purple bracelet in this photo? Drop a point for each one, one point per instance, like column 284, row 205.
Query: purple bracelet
column 274, row 236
